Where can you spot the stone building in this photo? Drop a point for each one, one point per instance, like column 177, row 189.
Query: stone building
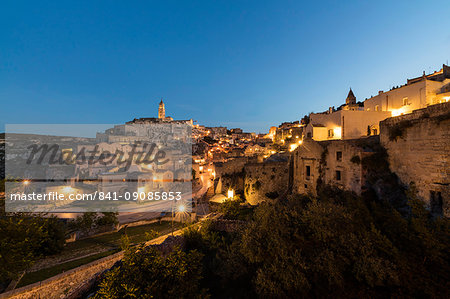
column 336, row 163
column 349, row 122
column 417, row 93
column 418, row 145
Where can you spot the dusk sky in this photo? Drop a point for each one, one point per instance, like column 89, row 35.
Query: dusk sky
column 249, row 64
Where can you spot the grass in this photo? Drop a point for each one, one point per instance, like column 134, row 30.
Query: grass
column 110, row 241
column 43, row 274
column 136, row 234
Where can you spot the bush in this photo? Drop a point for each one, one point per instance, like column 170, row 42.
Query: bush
column 145, row 273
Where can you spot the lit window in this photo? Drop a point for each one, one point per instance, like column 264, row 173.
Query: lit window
column 330, row 133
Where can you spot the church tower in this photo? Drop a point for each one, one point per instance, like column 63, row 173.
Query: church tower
column 351, row 99
column 161, row 110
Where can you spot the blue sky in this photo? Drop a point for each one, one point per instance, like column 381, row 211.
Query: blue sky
column 249, row 64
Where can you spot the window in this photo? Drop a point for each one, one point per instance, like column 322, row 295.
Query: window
column 338, row 156
column 405, row 101
column 377, row 108
column 330, row 133
column 338, row 175
column 308, row 171
column 308, row 135
column 374, row 132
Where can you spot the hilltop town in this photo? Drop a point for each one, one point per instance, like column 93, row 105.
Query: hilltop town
column 409, row 125
column 362, row 182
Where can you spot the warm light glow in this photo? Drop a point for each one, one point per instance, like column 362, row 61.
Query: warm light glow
column 230, row 193
column 337, row 132
column 300, row 142
column 200, row 168
column 26, row 182
column 181, row 208
column 293, row 147
column 67, row 189
column 397, row 112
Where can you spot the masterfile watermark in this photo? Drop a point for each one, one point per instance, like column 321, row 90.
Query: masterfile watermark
column 125, row 168
column 52, row 154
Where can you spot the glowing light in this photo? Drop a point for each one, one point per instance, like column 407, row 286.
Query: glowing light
column 181, row 208
column 337, row 132
column 300, row 142
column 200, row 168
column 397, row 112
column 447, row 99
column 293, row 146
column 67, row 189
column 230, row 193
column 26, row 182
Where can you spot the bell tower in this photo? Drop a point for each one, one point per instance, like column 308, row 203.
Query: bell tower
column 161, row 110
column 351, row 99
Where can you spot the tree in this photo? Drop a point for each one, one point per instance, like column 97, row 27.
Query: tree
column 340, row 245
column 108, row 218
column 145, row 273
column 25, row 238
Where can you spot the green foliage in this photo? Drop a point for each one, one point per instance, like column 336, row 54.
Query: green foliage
column 150, row 235
column 145, row 273
column 343, row 246
column 108, row 218
column 230, row 209
column 25, row 238
column 85, row 222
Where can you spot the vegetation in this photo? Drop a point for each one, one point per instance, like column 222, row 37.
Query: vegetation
column 89, row 220
column 145, row 272
column 25, row 238
column 333, row 245
column 398, row 130
column 43, row 274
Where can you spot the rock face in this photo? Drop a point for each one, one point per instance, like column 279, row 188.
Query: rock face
column 265, row 181
column 418, row 145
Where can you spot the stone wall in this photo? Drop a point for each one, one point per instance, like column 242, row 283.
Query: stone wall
column 336, row 163
column 418, row 145
column 265, row 181
column 62, row 284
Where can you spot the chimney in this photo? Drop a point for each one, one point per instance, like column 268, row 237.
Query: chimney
column 380, row 92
